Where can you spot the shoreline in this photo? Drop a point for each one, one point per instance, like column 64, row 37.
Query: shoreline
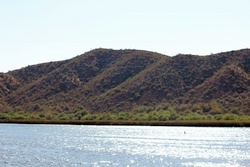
column 135, row 123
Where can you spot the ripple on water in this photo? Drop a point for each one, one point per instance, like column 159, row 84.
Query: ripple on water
column 54, row 145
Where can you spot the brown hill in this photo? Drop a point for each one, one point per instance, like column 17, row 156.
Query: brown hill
column 115, row 80
column 7, row 83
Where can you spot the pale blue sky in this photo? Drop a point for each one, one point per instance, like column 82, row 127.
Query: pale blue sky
column 37, row 31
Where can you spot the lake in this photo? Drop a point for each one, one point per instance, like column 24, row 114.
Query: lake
column 81, row 145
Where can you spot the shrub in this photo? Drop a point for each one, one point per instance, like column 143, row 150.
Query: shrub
column 210, row 117
column 196, row 107
column 235, row 111
column 218, row 116
column 107, row 116
column 165, row 106
column 230, row 117
column 215, row 111
column 153, row 116
column 206, row 108
column 81, row 113
column 194, row 116
column 63, row 116
column 122, row 116
column 41, row 115
column 163, row 118
column 4, row 116
column 173, row 115
column 140, row 117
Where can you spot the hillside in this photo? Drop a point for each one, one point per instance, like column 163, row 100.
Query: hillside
column 105, row 80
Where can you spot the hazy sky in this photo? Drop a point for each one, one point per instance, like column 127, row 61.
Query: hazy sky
column 36, row 31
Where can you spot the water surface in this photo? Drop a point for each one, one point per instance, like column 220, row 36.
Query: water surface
column 81, row 145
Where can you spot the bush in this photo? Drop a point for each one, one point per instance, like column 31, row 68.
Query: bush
column 206, row 108
column 163, row 115
column 210, row 117
column 173, row 115
column 153, row 116
column 236, row 111
column 63, row 116
column 194, row 116
column 122, row 116
column 218, row 117
column 41, row 115
column 79, row 114
column 4, row 116
column 140, row 117
column 107, row 116
column 215, row 111
column 165, row 106
column 230, row 117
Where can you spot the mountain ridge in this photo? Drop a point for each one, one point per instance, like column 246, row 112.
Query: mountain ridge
column 106, row 80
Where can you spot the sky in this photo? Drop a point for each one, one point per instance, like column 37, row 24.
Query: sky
column 38, row 31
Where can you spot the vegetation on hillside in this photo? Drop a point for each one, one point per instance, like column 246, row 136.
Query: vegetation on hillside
column 108, row 84
column 164, row 112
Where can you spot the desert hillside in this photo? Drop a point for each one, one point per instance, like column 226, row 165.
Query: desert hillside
column 105, row 80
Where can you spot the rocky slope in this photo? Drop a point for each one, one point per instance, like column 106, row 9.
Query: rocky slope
column 115, row 80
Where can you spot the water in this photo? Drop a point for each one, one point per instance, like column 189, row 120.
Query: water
column 76, row 145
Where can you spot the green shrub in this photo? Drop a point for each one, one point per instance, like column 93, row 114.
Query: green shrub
column 215, row 111
column 106, row 116
column 152, row 116
column 41, row 115
column 173, row 116
column 230, row 117
column 218, row 117
column 4, row 116
column 210, row 117
column 79, row 114
column 194, row 116
column 236, row 111
column 63, row 116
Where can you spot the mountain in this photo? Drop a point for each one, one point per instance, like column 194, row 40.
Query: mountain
column 119, row 80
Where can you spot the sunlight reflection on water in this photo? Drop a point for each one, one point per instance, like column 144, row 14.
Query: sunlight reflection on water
column 72, row 145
